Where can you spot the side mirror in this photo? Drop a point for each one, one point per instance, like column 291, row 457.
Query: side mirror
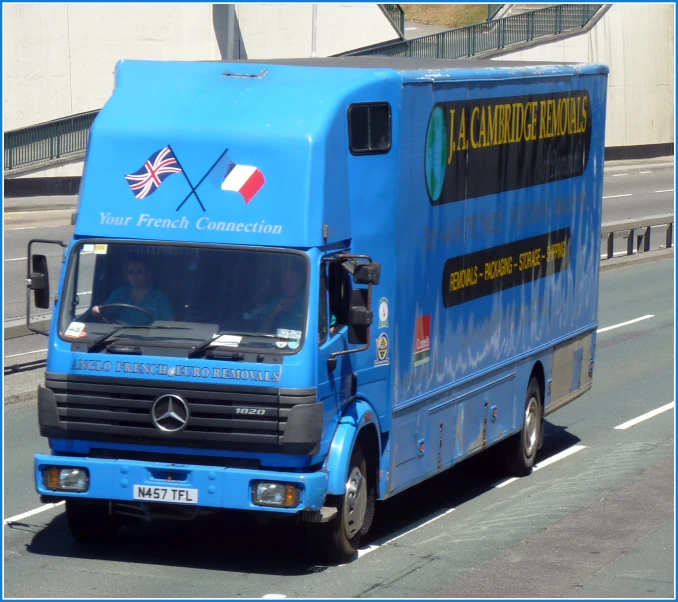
column 367, row 273
column 360, row 318
column 364, row 273
column 38, row 281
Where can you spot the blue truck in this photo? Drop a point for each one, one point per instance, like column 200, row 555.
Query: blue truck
column 300, row 287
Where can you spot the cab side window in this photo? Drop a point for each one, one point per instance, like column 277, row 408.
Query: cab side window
column 369, row 128
column 323, row 322
column 339, row 289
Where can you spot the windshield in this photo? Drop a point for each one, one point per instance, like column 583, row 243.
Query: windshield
column 185, row 297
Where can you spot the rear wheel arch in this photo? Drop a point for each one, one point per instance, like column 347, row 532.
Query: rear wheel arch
column 369, row 441
column 539, row 374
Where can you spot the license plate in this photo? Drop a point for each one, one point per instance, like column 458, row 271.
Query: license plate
column 174, row 495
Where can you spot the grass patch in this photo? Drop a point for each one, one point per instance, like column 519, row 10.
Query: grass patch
column 446, row 15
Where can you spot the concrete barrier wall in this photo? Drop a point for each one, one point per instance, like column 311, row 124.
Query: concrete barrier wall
column 67, row 169
column 59, row 59
column 637, row 42
column 285, row 30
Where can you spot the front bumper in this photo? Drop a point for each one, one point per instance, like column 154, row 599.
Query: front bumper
column 217, row 487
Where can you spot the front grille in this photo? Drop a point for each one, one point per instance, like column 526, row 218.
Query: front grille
column 120, row 410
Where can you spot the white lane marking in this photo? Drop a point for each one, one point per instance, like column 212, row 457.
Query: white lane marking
column 363, row 551
column 506, row 482
column 547, row 462
column 619, row 175
column 19, row 517
column 644, row 172
column 563, row 454
column 651, row 414
column 616, row 254
column 658, row 191
column 273, row 597
column 26, row 353
column 24, row 258
column 625, row 323
column 616, row 196
column 43, row 226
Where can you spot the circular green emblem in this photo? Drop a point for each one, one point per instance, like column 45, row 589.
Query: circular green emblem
column 436, row 153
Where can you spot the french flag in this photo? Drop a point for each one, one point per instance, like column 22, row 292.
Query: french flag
column 245, row 179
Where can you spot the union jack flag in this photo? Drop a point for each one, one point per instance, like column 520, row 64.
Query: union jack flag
column 148, row 178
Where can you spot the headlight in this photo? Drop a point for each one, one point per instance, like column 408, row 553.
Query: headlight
column 59, row 478
column 281, row 495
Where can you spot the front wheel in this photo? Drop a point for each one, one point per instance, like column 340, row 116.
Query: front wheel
column 338, row 540
column 90, row 521
column 521, row 449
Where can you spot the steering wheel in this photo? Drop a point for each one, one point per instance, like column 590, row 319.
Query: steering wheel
column 149, row 315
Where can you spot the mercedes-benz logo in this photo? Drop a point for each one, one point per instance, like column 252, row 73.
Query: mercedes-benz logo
column 170, row 413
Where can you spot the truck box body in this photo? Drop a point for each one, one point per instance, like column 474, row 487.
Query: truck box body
column 477, row 187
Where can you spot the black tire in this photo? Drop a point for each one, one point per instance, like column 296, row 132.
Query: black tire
column 521, row 449
column 90, row 521
column 337, row 541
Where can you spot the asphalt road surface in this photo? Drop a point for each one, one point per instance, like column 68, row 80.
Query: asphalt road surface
column 637, row 192
column 596, row 519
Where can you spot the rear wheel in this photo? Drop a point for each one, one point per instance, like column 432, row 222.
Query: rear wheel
column 90, row 520
column 338, row 540
column 521, row 449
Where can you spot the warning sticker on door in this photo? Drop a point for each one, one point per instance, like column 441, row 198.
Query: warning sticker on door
column 382, row 351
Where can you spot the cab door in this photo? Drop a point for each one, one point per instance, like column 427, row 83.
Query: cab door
column 335, row 387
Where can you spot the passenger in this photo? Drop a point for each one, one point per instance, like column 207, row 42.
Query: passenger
column 140, row 293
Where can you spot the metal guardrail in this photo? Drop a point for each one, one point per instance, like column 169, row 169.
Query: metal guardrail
column 631, row 225
column 17, row 328
column 13, row 329
column 489, row 35
column 493, row 9
column 397, row 16
column 49, row 140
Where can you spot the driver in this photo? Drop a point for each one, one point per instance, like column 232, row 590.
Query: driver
column 140, row 293
column 287, row 311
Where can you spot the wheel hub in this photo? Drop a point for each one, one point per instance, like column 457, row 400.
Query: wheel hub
column 531, row 426
column 355, row 503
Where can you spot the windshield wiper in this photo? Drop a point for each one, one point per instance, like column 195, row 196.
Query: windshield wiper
column 103, row 340
column 195, row 351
